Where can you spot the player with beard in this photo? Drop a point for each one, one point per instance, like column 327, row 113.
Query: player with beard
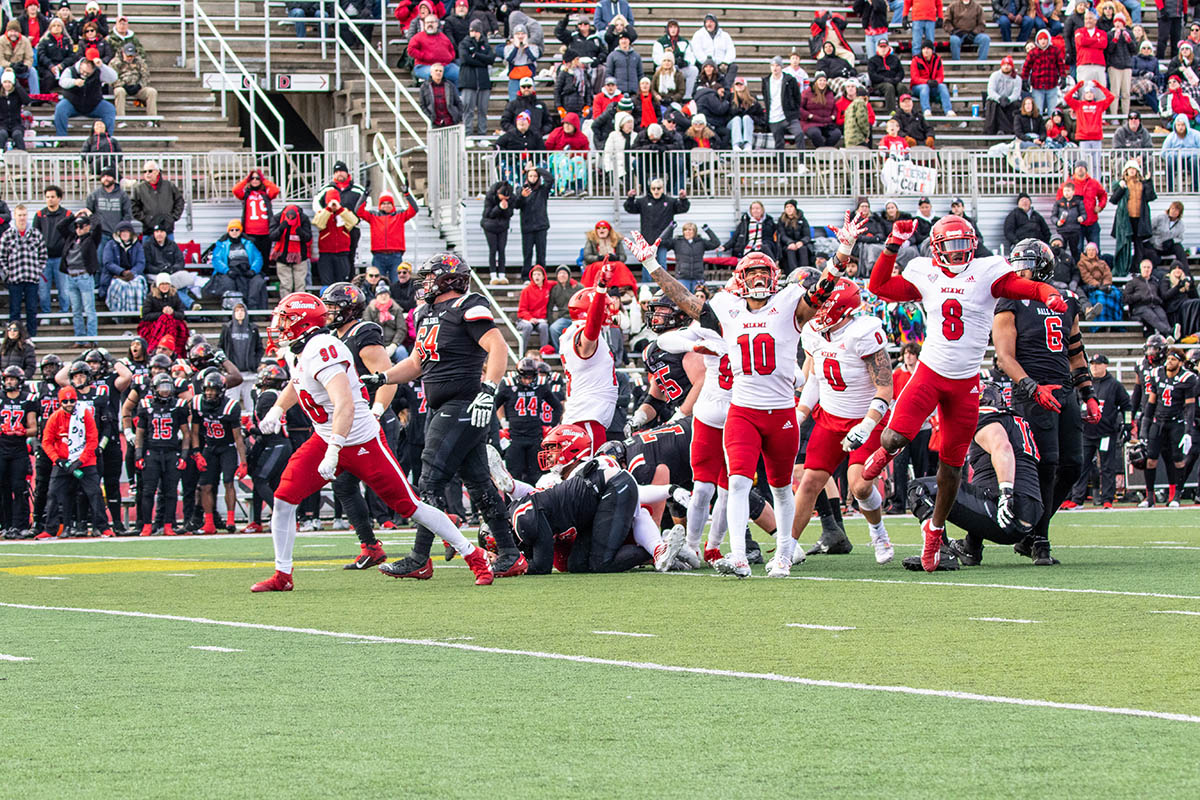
column 268, row 453
column 161, row 446
column 18, row 433
column 1168, row 423
column 760, row 325
column 47, row 404
column 457, row 343
column 675, row 378
column 217, row 427
column 521, row 405
column 347, row 437
column 94, row 398
column 346, row 303
column 1041, row 350
column 959, row 293
column 1003, row 501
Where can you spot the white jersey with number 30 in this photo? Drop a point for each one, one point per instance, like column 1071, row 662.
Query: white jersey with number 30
column 321, row 359
column 958, row 312
column 762, row 347
column 846, row 385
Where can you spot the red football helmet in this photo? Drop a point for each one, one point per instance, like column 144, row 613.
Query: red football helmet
column 841, row 303
column 581, row 301
column 563, row 446
column 296, row 315
column 758, row 291
column 953, row 243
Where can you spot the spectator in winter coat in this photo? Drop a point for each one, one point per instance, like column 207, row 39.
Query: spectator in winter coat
column 1167, row 235
column 1132, row 135
column 1097, row 277
column 668, row 83
column 93, row 15
column 1144, row 83
column 55, row 52
column 457, row 21
column 430, row 46
column 476, row 57
column 1089, row 102
column 156, row 200
column 1145, row 304
column 886, row 74
column 122, row 34
column 236, row 256
column 1177, row 100
column 746, row 114
column 521, row 56
column 531, row 309
column 818, row 113
column 440, row 100
column 711, row 41
column 1131, row 195
column 101, row 151
column 579, row 33
column 256, row 192
column 572, row 88
column 1090, row 44
column 17, row 350
column 966, row 24
column 625, row 65
column 1119, row 59
column 497, row 214
column 927, row 77
column 875, row 16
column 855, row 116
column 1170, row 26
column 241, row 343
column 334, row 260
column 689, row 248
column 1178, row 292
column 603, row 242
column 794, row 235
column 568, row 136
column 532, row 199
column 1074, row 21
column 291, row 249
column 713, row 103
column 108, row 203
column 606, row 10
column 124, row 265
column 82, row 88
column 835, row 67
column 89, row 37
column 680, row 49
column 22, row 261
column 133, row 80
column 406, row 11
column 51, row 222
column 557, row 312
column 617, row 28
column 404, row 290
column 619, row 142
column 1069, row 216
column 387, row 232
column 1024, row 223
column 924, row 15
column 1003, row 94
column 388, row 315
column 656, row 211
column 540, row 120
column 781, row 101
column 16, row 53
column 913, row 126
column 1044, row 67
column 33, row 22
column 520, row 140
column 755, row 233
column 81, row 264
column 12, row 98
column 164, row 256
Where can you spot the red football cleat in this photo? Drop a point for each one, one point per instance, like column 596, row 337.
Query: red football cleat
column 253, row 527
column 560, row 560
column 478, row 563
column 711, row 555
column 388, row 525
column 43, row 535
column 168, row 530
column 1067, row 505
column 146, row 529
column 397, row 569
column 370, row 555
column 931, row 553
column 107, row 533
column 519, row 567
column 875, row 465
column 210, row 527
column 1108, row 505
column 279, row 582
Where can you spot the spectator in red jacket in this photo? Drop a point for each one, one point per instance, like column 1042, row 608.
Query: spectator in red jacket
column 1090, row 43
column 568, row 136
column 69, row 440
column 387, row 232
column 531, row 309
column 256, row 193
column 1094, row 200
column 406, row 10
column 927, row 75
column 1044, row 68
column 1089, row 102
column 925, row 15
column 335, row 222
column 430, row 46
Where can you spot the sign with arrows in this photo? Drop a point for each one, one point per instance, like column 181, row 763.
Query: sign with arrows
column 302, row 82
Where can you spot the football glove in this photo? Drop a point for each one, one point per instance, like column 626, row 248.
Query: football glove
column 902, row 231
column 1004, row 507
column 848, row 234
column 858, row 435
column 241, row 471
column 483, row 406
column 1042, row 394
column 181, row 464
column 327, row 469
column 200, row 461
column 140, row 464
column 643, row 252
column 374, row 380
column 1091, row 411
column 130, row 436
column 1185, row 443
column 272, row 422
column 1056, row 303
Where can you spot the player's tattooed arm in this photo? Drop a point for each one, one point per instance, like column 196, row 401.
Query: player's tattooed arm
column 646, row 253
column 879, row 367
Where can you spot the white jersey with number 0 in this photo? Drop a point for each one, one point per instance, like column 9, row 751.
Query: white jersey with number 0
column 591, row 381
column 845, row 384
column 321, row 359
column 958, row 312
column 762, row 347
column 712, row 404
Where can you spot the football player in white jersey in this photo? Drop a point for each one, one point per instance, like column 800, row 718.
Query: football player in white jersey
column 959, row 293
column 761, row 327
column 588, row 362
column 348, row 437
column 849, row 391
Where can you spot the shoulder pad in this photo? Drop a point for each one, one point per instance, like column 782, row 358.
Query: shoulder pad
column 478, row 311
column 229, row 406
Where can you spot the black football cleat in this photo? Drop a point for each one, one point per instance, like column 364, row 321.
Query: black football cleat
column 947, row 562
column 510, row 565
column 832, row 542
column 409, row 567
column 1041, row 554
column 964, row 554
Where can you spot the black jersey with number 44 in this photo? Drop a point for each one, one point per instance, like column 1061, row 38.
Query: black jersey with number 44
column 162, row 421
column 447, row 344
column 1024, row 447
column 1171, row 392
column 1042, row 337
column 362, row 334
column 668, row 444
column 524, row 408
column 667, row 372
column 217, row 421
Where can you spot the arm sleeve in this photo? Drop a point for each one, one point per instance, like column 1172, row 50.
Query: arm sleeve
column 595, row 321
column 1014, row 287
column 892, row 287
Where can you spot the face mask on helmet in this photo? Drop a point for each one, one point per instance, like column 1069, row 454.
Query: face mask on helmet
column 758, row 283
column 13, row 379
column 954, row 254
column 562, row 447
column 164, row 387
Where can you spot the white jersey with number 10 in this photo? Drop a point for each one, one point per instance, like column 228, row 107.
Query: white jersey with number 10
column 762, row 347
column 323, row 357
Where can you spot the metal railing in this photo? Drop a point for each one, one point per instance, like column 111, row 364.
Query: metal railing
column 446, row 168
column 766, row 174
column 249, row 83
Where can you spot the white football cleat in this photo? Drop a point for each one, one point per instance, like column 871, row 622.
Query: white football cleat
column 666, row 552
column 500, row 476
column 776, row 568
column 728, row 566
column 797, row 554
column 690, row 557
column 884, row 552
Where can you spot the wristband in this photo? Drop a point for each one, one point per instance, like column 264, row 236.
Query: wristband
column 880, row 405
column 1006, row 485
column 377, row 409
column 844, row 250
column 336, row 440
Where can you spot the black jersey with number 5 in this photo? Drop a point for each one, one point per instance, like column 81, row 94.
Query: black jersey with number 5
column 1024, row 447
column 217, row 421
column 447, row 344
column 1171, row 392
column 1042, row 337
column 668, row 444
column 162, row 422
column 667, row 372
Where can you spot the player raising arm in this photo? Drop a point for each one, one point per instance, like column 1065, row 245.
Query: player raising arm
column 959, row 293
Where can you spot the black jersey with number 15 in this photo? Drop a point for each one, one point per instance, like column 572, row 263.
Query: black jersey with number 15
column 1042, row 337
column 447, row 344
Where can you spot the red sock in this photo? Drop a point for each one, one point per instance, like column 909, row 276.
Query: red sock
column 228, row 517
column 208, row 520
column 1170, row 492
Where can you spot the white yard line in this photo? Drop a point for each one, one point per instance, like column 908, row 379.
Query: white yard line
column 180, row 575
column 49, row 578
column 214, row 649
column 821, row 627
column 1184, row 613
column 625, row 633
column 4, row 657
column 642, row 665
column 1005, row 619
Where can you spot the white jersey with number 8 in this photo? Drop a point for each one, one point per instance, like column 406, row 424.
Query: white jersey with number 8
column 846, row 386
column 321, row 359
column 762, row 347
column 958, row 313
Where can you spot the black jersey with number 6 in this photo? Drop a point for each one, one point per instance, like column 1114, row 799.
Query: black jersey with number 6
column 447, row 344
column 668, row 444
column 1042, row 337
column 162, row 421
column 362, row 334
column 1025, row 450
column 217, row 420
column 1171, row 392
column 667, row 372
column 524, row 406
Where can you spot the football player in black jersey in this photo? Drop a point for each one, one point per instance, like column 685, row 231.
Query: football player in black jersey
column 202, row 359
column 18, row 432
column 269, row 453
column 161, row 445
column 1105, row 437
column 1042, row 352
column 1003, row 501
column 346, row 303
column 521, row 404
column 675, row 378
column 1155, row 355
column 47, row 404
column 410, row 399
column 217, row 423
column 1168, row 423
column 456, row 335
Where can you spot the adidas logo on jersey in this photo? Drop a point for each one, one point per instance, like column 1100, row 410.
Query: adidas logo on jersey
column 773, row 311
column 787, row 426
column 970, row 279
column 362, row 451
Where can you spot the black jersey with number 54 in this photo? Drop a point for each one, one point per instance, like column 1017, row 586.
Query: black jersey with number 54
column 447, row 344
column 1042, row 337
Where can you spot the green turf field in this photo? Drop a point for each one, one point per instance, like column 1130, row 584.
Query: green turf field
column 359, row 685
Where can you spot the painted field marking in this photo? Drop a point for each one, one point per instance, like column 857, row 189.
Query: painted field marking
column 642, row 665
column 50, row 578
column 1005, row 619
column 625, row 633
column 4, row 657
column 1166, row 542
column 312, row 569
column 320, row 545
column 821, row 627
column 214, row 649
column 1184, row 613
column 180, row 575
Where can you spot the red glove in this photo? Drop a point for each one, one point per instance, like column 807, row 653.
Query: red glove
column 18, row 429
column 902, row 231
column 240, row 472
column 1056, row 303
column 140, row 464
column 5, row 429
column 1044, row 395
column 245, row 421
column 181, row 464
column 604, row 276
column 504, row 434
column 1091, row 411
column 200, row 461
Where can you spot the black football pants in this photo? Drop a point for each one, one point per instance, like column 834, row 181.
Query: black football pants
column 1059, row 437
column 266, row 461
column 161, row 476
column 974, row 511
column 536, row 541
column 1110, row 464
column 41, row 487
column 14, row 490
column 64, row 486
column 108, row 460
column 604, row 547
column 521, row 458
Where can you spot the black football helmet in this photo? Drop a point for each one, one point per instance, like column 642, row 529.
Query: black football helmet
column 1193, row 357
column 665, row 315
column 161, row 362
column 50, row 366
column 345, row 301
column 163, row 385
column 804, row 277
column 444, row 272
column 98, row 360
column 544, row 369
column 1156, row 349
column 527, row 371
column 80, row 368
column 215, row 381
column 992, row 396
column 614, row 448
column 201, row 354
column 1137, row 455
column 14, row 376
column 271, row 376
column 1035, row 256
